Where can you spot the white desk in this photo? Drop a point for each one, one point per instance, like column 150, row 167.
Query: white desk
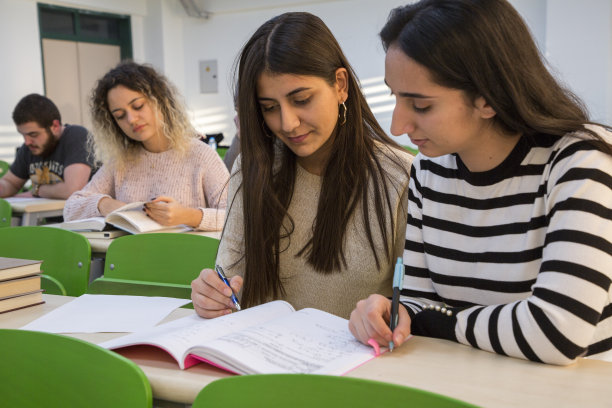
column 32, row 211
column 435, row 365
column 100, row 245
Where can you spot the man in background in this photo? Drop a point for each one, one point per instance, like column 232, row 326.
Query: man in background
column 53, row 156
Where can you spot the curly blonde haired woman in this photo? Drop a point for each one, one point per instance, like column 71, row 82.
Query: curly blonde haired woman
column 151, row 153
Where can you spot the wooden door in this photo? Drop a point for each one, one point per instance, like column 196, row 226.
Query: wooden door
column 71, row 70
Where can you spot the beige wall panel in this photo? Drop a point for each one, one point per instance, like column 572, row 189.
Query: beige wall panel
column 94, row 61
column 61, row 71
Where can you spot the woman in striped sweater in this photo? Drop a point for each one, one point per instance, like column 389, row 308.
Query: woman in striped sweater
column 509, row 218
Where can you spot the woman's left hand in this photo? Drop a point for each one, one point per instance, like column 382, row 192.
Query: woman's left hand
column 167, row 211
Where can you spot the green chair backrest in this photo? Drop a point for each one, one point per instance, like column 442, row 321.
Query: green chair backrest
column 52, row 286
column 4, row 166
column 51, row 370
column 320, row 391
column 221, row 151
column 411, row 149
column 5, row 213
column 155, row 264
column 66, row 255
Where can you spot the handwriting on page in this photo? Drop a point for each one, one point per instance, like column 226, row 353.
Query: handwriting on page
column 200, row 331
column 179, row 335
column 308, row 341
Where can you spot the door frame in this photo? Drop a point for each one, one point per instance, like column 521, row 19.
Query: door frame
column 125, row 31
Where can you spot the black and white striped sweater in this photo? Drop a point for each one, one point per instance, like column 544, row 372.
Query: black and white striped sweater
column 522, row 254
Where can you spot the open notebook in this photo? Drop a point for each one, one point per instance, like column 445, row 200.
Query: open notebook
column 270, row 338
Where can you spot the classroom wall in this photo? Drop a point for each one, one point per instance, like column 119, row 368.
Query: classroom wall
column 579, row 47
column 21, row 67
column 203, row 41
column 576, row 37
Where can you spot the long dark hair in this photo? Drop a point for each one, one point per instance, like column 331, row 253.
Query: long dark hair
column 484, row 48
column 301, row 44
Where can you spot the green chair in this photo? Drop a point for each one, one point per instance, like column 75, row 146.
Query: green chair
column 156, row 264
column 66, row 256
column 321, row 391
column 5, row 213
column 4, row 166
column 50, row 370
column 52, row 286
column 411, row 149
column 221, row 151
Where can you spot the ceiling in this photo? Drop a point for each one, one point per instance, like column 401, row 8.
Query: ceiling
column 208, row 8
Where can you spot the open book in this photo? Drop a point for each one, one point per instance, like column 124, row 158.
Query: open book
column 130, row 218
column 270, row 338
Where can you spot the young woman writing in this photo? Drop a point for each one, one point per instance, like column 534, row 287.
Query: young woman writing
column 319, row 193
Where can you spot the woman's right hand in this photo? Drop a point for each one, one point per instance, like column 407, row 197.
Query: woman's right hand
column 370, row 320
column 210, row 296
column 107, row 205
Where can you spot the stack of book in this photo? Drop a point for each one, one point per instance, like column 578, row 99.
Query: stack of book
column 19, row 284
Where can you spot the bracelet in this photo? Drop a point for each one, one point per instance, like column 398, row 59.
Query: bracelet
column 35, row 191
column 439, row 308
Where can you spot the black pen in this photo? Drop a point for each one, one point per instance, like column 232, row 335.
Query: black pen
column 222, row 276
column 398, row 280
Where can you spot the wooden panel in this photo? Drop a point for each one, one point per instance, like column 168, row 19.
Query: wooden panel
column 94, row 60
column 62, row 78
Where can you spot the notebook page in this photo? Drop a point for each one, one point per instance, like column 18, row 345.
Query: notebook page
column 307, row 341
column 177, row 336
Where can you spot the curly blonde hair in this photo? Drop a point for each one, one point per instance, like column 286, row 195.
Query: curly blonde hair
column 110, row 145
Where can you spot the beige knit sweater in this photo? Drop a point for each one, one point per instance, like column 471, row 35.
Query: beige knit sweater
column 337, row 292
column 197, row 179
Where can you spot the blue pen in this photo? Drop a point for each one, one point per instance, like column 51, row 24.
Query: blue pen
column 221, row 274
column 398, row 280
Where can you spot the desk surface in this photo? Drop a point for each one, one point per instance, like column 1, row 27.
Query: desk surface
column 440, row 366
column 33, row 204
column 32, row 210
column 100, row 245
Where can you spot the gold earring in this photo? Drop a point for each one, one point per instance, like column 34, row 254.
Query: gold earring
column 343, row 114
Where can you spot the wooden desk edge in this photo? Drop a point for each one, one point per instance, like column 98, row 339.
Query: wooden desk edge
column 41, row 205
column 440, row 366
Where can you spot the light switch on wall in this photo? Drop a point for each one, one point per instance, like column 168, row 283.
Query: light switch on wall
column 208, row 76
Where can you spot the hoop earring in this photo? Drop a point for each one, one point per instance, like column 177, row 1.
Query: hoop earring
column 343, row 115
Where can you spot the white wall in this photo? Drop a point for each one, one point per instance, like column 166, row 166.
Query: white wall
column 575, row 36
column 580, row 49
column 222, row 36
column 534, row 13
column 20, row 66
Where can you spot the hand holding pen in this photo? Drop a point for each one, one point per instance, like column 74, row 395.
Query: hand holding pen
column 222, row 276
column 398, row 280
column 214, row 296
column 378, row 321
